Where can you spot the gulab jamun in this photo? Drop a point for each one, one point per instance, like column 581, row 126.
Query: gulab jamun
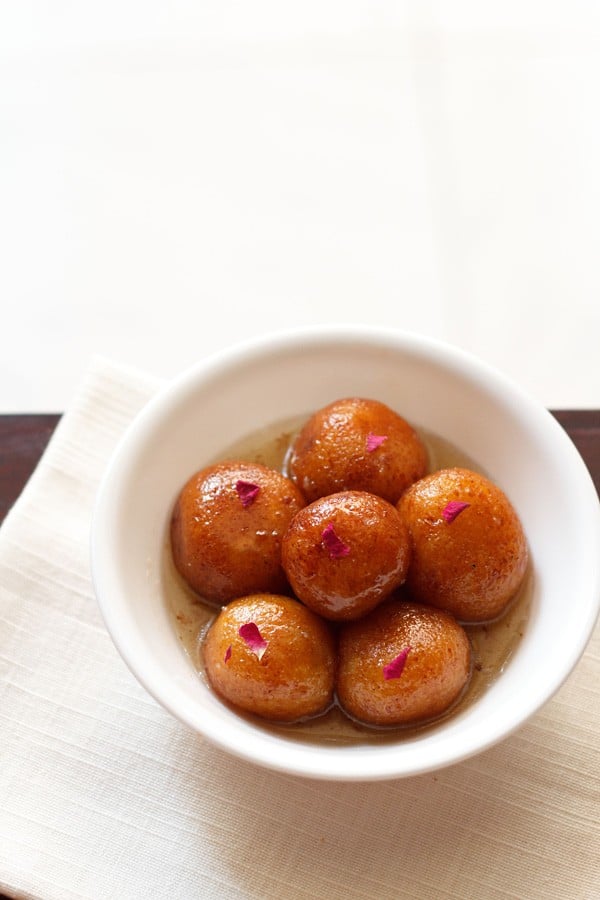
column 344, row 553
column 271, row 656
column 403, row 664
column 469, row 552
column 356, row 444
column 227, row 528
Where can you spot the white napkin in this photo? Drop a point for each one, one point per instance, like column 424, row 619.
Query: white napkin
column 104, row 795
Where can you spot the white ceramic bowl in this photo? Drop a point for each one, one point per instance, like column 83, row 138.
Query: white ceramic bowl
column 435, row 386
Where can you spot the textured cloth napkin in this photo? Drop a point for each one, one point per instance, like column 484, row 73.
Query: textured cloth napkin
column 104, row 795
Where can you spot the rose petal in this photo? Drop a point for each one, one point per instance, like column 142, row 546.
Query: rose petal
column 453, row 509
column 336, row 547
column 247, row 492
column 253, row 638
column 227, row 654
column 395, row 668
column 374, row 441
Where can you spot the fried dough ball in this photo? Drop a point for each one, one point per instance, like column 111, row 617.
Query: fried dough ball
column 227, row 528
column 359, row 445
column 282, row 664
column 343, row 554
column 472, row 564
column 403, row 663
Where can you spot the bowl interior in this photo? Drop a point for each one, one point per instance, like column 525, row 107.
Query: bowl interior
column 435, row 387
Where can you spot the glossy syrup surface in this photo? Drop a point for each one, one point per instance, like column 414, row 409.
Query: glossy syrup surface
column 493, row 643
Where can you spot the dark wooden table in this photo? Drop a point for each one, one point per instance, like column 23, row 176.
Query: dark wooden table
column 24, row 437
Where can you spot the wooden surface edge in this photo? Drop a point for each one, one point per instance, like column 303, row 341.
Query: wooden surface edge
column 24, row 437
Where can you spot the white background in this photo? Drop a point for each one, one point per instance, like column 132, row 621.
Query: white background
column 177, row 176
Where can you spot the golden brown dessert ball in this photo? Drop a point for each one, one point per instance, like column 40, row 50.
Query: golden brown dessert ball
column 359, row 445
column 343, row 554
column 271, row 656
column 469, row 553
column 403, row 663
column 227, row 528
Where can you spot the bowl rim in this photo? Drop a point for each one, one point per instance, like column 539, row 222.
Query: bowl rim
column 335, row 763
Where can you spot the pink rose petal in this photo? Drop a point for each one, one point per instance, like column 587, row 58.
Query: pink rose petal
column 227, row 654
column 453, row 509
column 374, row 441
column 247, row 492
column 395, row 668
column 253, row 638
column 336, row 547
